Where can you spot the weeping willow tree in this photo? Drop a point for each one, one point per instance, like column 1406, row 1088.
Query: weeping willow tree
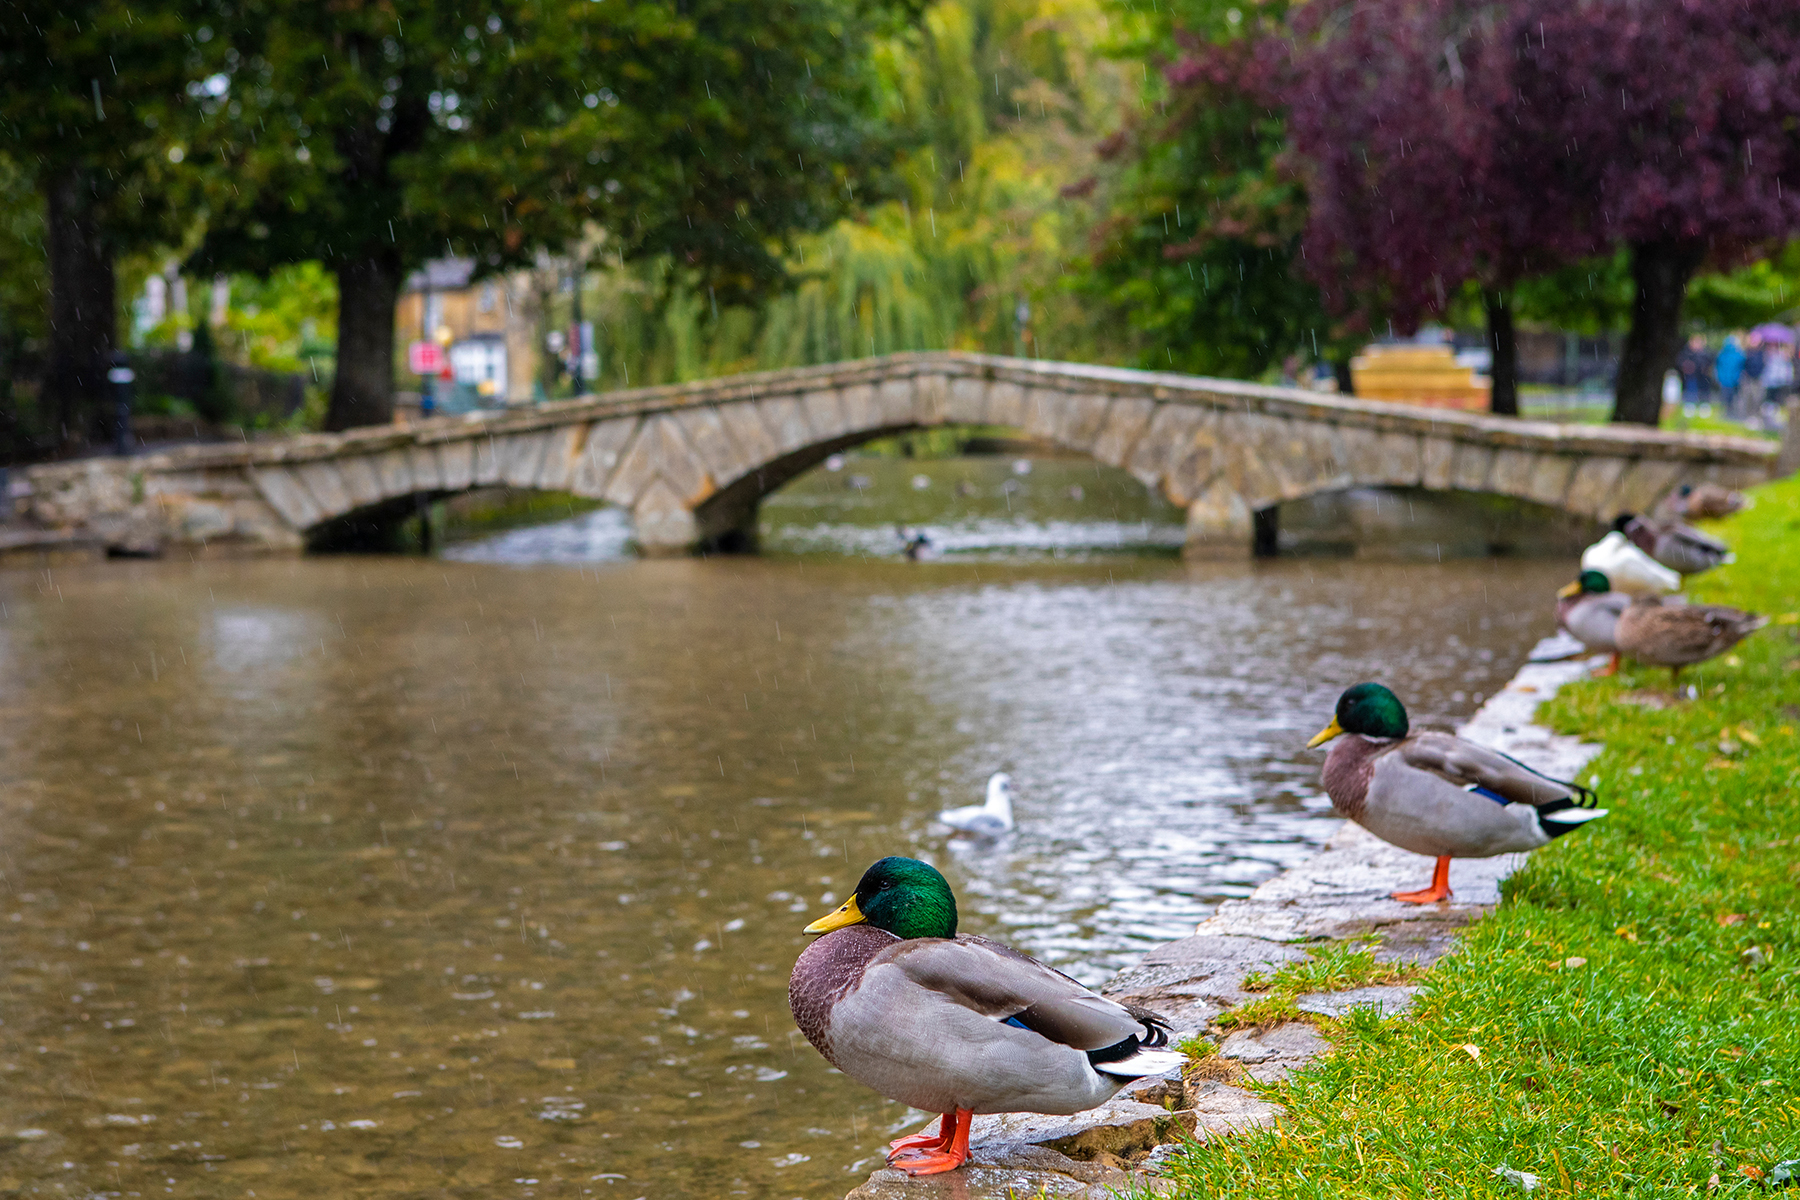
column 1002, row 101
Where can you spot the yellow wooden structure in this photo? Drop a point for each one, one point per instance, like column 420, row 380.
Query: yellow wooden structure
column 1418, row 374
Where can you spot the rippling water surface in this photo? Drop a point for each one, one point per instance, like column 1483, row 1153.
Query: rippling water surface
column 395, row 876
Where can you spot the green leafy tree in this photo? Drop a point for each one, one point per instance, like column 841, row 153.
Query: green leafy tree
column 994, row 106
column 373, row 136
column 92, row 92
column 1199, row 251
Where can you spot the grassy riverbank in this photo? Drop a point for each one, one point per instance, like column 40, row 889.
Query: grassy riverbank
column 1628, row 1021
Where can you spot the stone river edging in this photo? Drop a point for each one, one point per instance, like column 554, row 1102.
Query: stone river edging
column 1340, row 892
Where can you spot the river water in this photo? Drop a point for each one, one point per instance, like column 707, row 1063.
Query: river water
column 394, row 877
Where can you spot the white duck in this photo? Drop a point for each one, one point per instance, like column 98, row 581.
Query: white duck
column 1628, row 568
column 985, row 820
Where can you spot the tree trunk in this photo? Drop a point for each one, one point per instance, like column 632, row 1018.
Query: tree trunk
column 363, row 391
column 82, row 314
column 1504, row 346
column 1660, row 270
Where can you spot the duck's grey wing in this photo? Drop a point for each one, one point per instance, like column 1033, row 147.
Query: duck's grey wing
column 1592, row 619
column 965, row 1023
column 1467, row 764
column 1000, row 983
column 1686, row 549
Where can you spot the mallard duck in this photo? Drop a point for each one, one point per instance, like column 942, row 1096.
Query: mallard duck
column 915, row 544
column 1589, row 609
column 1436, row 794
column 985, row 820
column 1679, row 635
column 1630, row 569
column 1675, row 545
column 1706, row 500
column 893, row 998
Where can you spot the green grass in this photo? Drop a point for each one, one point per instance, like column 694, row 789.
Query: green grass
column 1667, row 1059
column 1334, row 967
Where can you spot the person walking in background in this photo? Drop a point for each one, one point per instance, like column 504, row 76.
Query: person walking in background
column 1750, row 383
column 1695, row 364
column 1728, row 369
column 1777, row 383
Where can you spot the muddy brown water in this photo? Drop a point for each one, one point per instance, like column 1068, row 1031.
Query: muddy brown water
column 395, row 877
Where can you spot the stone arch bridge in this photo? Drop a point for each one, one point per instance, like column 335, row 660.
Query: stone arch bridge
column 693, row 461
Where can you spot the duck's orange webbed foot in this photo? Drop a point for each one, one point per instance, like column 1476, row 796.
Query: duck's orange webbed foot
column 1611, row 667
column 1439, row 889
column 954, row 1152
column 939, row 1140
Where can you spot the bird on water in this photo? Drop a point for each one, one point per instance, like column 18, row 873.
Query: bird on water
column 985, row 820
column 896, row 999
column 1438, row 794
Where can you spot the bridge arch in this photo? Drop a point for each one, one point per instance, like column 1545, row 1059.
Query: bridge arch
column 691, row 462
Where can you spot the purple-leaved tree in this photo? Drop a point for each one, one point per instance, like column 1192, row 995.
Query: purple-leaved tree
column 1673, row 128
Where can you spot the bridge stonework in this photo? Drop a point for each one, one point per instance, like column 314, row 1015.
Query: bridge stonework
column 691, row 462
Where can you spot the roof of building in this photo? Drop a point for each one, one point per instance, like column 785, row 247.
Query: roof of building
column 442, row 274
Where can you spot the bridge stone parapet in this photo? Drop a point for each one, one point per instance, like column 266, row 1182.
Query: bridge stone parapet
column 692, row 461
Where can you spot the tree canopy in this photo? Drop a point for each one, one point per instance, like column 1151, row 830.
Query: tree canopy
column 375, row 136
column 93, row 90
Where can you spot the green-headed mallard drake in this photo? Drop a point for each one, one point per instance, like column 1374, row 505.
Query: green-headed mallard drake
column 893, row 998
column 1677, row 546
column 1436, row 794
column 1589, row 609
column 1679, row 635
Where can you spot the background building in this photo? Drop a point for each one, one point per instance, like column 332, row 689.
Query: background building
column 488, row 327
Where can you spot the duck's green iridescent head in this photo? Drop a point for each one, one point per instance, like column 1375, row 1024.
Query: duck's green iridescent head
column 904, row 896
column 1589, row 583
column 1368, row 709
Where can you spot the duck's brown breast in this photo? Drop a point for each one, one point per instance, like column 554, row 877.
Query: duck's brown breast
column 1348, row 769
column 825, row 973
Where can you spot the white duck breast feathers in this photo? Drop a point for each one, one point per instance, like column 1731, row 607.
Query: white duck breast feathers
column 1628, row 568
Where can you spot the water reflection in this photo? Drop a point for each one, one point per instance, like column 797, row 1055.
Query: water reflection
column 387, row 876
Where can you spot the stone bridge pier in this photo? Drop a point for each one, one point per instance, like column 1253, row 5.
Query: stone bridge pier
column 692, row 462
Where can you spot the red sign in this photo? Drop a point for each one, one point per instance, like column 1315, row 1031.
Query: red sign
column 425, row 358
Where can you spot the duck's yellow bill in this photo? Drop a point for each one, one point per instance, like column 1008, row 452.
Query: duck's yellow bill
column 846, row 914
column 1326, row 734
column 1572, row 589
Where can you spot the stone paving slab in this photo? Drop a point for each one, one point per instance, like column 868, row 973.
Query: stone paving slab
column 1341, row 892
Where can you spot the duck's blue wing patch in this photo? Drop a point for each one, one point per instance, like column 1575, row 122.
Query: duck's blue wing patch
column 1016, row 1023
column 1496, row 797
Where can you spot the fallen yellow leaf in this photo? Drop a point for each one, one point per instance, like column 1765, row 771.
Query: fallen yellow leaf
column 1731, row 918
column 1574, row 962
column 1473, row 1052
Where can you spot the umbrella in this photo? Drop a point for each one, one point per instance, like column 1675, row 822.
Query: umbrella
column 1775, row 333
